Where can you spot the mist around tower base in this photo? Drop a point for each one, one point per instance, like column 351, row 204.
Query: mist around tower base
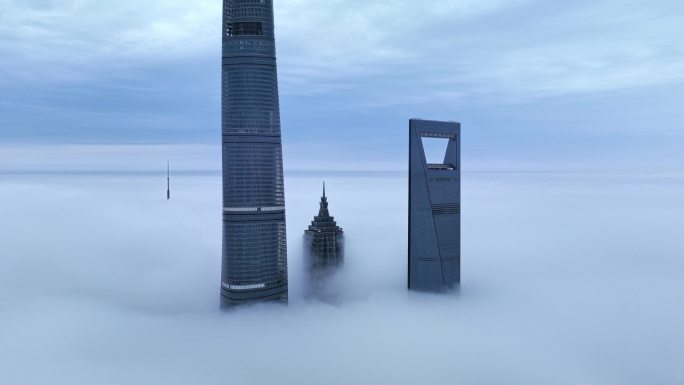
column 104, row 282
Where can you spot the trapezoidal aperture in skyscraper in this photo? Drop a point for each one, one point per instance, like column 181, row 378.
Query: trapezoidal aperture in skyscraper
column 254, row 240
column 434, row 207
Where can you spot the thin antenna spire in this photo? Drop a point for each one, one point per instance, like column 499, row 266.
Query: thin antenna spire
column 323, row 189
column 168, row 180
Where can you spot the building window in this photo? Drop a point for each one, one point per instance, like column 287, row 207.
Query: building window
column 244, row 29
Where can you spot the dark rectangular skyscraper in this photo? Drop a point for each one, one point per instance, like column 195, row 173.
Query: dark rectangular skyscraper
column 254, row 242
column 434, row 206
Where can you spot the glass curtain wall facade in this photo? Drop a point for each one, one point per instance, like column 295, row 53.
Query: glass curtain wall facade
column 254, row 240
column 434, row 208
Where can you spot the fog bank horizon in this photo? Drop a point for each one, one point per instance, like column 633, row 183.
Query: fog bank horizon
column 566, row 280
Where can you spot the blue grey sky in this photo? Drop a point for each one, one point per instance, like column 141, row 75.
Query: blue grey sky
column 538, row 82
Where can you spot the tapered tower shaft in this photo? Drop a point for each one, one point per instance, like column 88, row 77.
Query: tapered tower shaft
column 254, row 238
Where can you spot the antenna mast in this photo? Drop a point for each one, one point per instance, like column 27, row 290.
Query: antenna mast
column 168, row 180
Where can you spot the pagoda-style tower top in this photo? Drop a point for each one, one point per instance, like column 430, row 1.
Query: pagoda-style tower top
column 323, row 222
column 323, row 212
column 323, row 247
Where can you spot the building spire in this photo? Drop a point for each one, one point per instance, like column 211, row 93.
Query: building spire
column 168, row 180
column 323, row 213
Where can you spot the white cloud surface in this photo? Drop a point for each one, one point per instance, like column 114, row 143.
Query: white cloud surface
column 567, row 280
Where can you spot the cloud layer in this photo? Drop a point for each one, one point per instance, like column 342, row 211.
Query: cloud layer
column 566, row 280
column 513, row 49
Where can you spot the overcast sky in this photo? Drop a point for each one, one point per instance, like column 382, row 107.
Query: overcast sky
column 531, row 80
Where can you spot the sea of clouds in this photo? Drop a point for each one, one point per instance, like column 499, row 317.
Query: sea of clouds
column 567, row 279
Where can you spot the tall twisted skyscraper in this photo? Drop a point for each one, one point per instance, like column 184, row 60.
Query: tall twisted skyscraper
column 254, row 242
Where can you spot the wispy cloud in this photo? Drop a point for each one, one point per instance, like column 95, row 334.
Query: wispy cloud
column 152, row 67
column 68, row 40
column 523, row 48
column 508, row 52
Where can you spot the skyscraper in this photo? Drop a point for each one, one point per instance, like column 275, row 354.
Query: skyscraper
column 168, row 180
column 324, row 240
column 434, row 207
column 254, row 240
column 323, row 253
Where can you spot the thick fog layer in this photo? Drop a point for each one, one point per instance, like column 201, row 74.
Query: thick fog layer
column 567, row 279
